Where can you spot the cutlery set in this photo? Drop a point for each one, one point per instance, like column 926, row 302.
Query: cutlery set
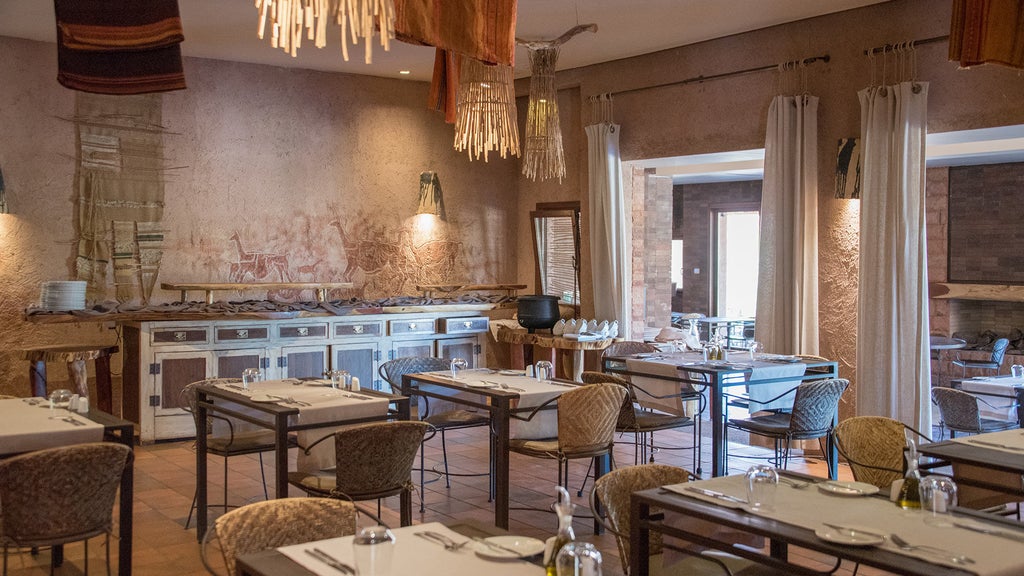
column 331, row 561
column 902, row 544
column 73, row 420
column 448, row 543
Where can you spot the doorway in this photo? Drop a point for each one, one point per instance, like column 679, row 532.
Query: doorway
column 736, row 246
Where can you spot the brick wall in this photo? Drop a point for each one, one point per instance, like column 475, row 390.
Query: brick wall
column 986, row 206
column 692, row 212
column 657, row 255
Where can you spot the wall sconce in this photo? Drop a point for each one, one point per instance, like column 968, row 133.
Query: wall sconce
column 3, row 196
column 431, row 199
column 848, row 169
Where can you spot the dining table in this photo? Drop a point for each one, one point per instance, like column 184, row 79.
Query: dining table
column 308, row 408
column 992, row 461
column 849, row 521
column 413, row 554
column 510, row 397
column 764, row 377
column 1003, row 395
column 27, row 426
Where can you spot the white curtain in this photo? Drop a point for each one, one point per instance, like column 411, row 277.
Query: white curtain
column 893, row 363
column 610, row 245
column 787, row 287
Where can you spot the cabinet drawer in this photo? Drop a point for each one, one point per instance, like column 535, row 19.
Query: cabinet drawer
column 303, row 331
column 468, row 325
column 242, row 334
column 402, row 327
column 358, row 329
column 189, row 335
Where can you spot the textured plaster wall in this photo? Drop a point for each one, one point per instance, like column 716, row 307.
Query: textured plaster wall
column 284, row 158
column 729, row 114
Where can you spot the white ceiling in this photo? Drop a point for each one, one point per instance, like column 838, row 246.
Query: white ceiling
column 226, row 30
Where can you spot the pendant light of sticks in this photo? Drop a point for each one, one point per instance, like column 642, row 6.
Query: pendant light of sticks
column 544, row 156
column 485, row 115
column 357, row 18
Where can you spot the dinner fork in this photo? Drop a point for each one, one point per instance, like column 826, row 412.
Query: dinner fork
column 448, row 543
column 290, row 400
column 507, row 387
column 954, row 558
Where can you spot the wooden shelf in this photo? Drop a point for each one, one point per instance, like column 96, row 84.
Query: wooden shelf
column 429, row 289
column 320, row 288
column 994, row 292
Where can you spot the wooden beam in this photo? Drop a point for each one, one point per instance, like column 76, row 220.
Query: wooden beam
column 996, row 292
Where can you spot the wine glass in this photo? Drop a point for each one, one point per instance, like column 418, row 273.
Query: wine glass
column 59, row 400
column 754, row 346
column 762, row 481
column 458, row 364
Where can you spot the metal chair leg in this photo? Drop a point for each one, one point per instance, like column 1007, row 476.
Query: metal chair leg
column 444, row 454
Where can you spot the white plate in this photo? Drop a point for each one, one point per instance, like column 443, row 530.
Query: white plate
column 511, row 372
column 263, row 398
column 518, row 547
column 480, row 385
column 850, row 537
column 840, row 488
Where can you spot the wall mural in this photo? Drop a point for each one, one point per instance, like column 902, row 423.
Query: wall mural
column 381, row 260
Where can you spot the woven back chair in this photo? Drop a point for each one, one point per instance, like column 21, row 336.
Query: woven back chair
column 873, row 446
column 612, row 491
column 61, row 495
column 276, row 523
column 960, row 412
column 586, row 426
column 994, row 362
column 442, row 415
column 234, row 443
column 628, row 348
column 374, row 461
column 814, row 408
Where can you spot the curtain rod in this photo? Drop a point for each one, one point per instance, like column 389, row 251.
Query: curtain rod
column 697, row 79
column 891, row 47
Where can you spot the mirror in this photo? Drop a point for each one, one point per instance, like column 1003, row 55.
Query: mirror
column 556, row 250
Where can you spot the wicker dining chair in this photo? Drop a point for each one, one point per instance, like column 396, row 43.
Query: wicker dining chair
column 814, row 407
column 586, row 427
column 873, row 446
column 60, row 495
column 959, row 411
column 612, row 491
column 275, row 523
column 234, row 443
column 374, row 461
column 446, row 418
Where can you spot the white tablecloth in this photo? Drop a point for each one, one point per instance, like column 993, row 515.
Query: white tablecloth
column 534, row 393
column 414, row 555
column 327, row 405
column 24, row 427
column 809, row 507
column 674, row 366
column 989, row 388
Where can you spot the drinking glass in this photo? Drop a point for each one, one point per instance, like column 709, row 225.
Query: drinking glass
column 762, row 481
column 458, row 364
column 372, row 550
column 544, row 370
column 754, row 346
column 938, row 495
column 1017, row 371
column 578, row 559
column 250, row 375
column 340, row 379
column 59, row 400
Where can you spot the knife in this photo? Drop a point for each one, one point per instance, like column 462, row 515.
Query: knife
column 495, row 546
column 716, row 494
column 990, row 531
column 853, row 531
column 330, row 560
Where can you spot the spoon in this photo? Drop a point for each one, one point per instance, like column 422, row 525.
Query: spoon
column 904, row 545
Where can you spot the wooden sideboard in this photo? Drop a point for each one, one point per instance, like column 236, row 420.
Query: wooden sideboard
column 161, row 358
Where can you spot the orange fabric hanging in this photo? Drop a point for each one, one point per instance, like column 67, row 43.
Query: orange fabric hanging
column 984, row 31
column 484, row 30
column 444, row 84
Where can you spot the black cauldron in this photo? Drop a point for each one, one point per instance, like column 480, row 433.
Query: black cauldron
column 538, row 312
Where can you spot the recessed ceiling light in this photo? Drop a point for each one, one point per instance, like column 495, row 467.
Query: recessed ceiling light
column 404, row 72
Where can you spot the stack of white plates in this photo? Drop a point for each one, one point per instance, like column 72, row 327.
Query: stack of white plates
column 62, row 295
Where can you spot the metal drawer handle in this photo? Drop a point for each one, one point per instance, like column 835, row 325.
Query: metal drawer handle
column 181, row 336
column 357, row 329
column 303, row 331
column 468, row 324
column 242, row 333
column 412, row 325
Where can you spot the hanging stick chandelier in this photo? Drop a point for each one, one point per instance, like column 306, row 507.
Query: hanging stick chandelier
column 485, row 116
column 544, row 156
column 290, row 19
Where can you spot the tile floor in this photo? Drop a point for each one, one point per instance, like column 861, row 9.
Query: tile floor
column 165, row 480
